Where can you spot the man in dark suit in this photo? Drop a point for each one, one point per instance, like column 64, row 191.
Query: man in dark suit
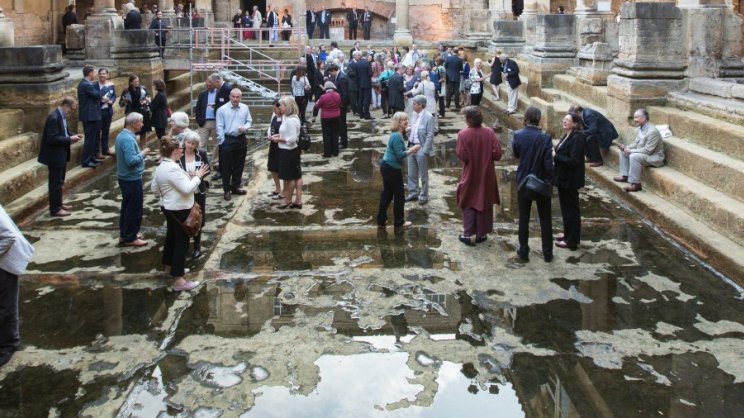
column 212, row 98
column 310, row 20
column 511, row 71
column 351, row 71
column 89, row 113
column 354, row 49
column 107, row 113
column 133, row 19
column 161, row 32
column 341, row 81
column 396, row 88
column 599, row 132
column 311, row 68
column 54, row 152
column 453, row 66
column 364, row 79
column 352, row 17
column 367, row 23
column 324, row 21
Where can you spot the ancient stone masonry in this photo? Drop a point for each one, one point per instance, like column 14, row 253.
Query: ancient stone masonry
column 554, row 51
column 651, row 61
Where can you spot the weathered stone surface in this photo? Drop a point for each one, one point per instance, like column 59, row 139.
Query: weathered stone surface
column 595, row 64
column 7, row 31
column 555, row 36
column 651, row 41
column 711, row 86
column 31, row 64
column 75, row 37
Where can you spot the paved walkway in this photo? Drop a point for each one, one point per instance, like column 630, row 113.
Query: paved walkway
column 315, row 312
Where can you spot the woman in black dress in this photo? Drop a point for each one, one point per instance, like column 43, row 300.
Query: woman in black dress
column 496, row 78
column 136, row 99
column 159, row 109
column 569, row 178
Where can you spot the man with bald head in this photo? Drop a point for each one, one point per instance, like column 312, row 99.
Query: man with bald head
column 233, row 122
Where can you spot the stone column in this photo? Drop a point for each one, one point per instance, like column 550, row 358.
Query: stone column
column 7, row 30
column 478, row 25
column 652, row 57
column 508, row 36
column 299, row 8
column 529, row 17
column 99, row 31
column 714, row 39
column 584, row 7
column 500, row 10
column 169, row 12
column 402, row 36
column 554, row 51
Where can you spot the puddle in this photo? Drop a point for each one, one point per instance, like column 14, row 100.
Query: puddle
column 300, row 306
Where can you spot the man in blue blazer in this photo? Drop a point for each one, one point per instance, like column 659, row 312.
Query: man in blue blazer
column 89, row 113
column 54, row 152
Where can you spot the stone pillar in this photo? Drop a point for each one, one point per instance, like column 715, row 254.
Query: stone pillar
column 299, row 8
column 529, row 17
column 584, row 7
column 713, row 39
column 33, row 79
column 595, row 64
column 508, row 36
column 402, row 35
column 554, row 51
column 652, row 58
column 500, row 10
column 478, row 22
column 7, row 30
column 169, row 11
column 99, row 32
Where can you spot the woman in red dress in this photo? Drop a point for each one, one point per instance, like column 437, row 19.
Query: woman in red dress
column 477, row 191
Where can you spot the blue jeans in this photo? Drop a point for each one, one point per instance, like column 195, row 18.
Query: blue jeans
column 130, row 217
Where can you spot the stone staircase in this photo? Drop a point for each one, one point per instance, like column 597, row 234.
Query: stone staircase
column 696, row 197
column 23, row 181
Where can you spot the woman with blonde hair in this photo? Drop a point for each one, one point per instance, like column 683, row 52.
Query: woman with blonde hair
column 290, row 170
column 176, row 190
column 392, row 173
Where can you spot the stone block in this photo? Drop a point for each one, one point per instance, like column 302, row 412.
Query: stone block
column 7, row 31
column 651, row 41
column 711, row 86
column 737, row 91
column 595, row 64
column 555, row 36
column 75, row 37
column 508, row 31
column 31, row 64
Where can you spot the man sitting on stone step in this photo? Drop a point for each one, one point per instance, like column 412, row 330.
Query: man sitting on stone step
column 647, row 150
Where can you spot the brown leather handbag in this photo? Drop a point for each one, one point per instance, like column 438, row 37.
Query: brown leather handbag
column 193, row 223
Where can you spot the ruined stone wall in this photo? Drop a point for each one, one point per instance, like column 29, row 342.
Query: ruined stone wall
column 36, row 22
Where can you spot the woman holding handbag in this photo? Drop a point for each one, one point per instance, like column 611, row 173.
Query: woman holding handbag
column 135, row 98
column 191, row 160
column 569, row 178
column 176, row 190
column 301, row 91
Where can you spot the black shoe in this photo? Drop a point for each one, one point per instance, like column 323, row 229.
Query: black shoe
column 239, row 192
column 466, row 241
column 228, row 196
column 217, row 176
column 548, row 258
column 481, row 239
column 197, row 254
column 295, row 206
column 523, row 256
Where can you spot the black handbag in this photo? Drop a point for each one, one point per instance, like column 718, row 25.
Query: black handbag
column 304, row 141
column 532, row 185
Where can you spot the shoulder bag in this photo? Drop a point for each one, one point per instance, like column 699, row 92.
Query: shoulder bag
column 193, row 223
column 303, row 142
column 532, row 185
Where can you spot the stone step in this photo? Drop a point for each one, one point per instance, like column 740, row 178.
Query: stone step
column 695, row 155
column 11, row 123
column 709, row 132
column 712, row 207
column 717, row 170
column 19, row 148
column 23, row 188
column 688, row 229
column 593, row 96
column 721, row 108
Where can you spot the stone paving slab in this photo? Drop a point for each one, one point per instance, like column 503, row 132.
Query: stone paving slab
column 317, row 313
